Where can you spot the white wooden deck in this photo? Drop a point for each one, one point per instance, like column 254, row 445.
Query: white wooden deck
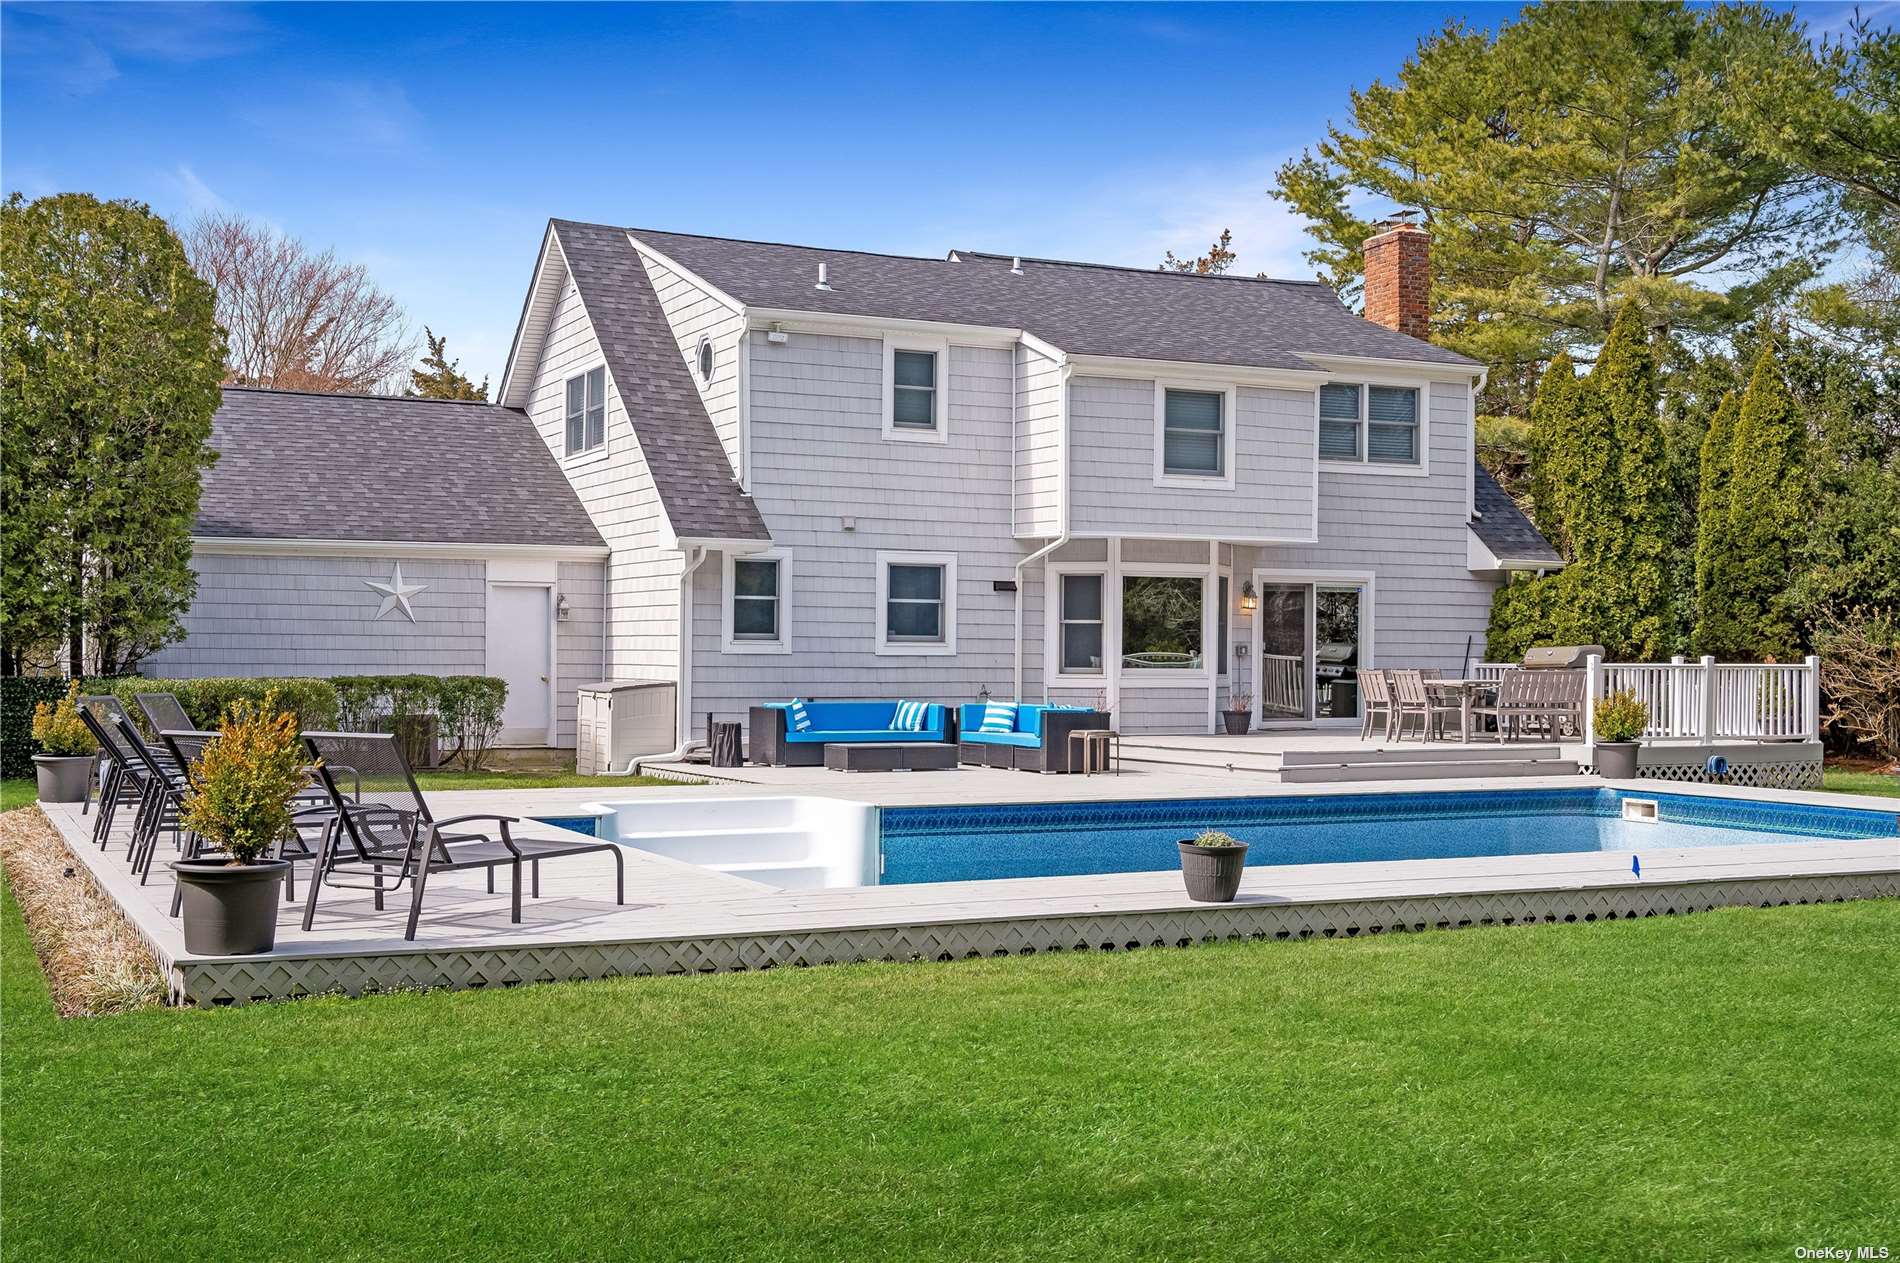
column 681, row 918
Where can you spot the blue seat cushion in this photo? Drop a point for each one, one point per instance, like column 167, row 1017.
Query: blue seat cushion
column 863, row 735
column 1003, row 739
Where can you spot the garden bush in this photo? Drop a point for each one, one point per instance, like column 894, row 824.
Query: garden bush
column 19, row 694
column 312, row 701
column 470, row 708
column 425, row 712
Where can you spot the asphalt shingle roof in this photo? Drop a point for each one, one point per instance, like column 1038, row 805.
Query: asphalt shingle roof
column 1084, row 308
column 689, row 465
column 1502, row 525
column 296, row 465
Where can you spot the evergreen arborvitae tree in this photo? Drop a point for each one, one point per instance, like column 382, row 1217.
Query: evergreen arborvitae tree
column 1638, row 521
column 1551, row 409
column 1768, row 508
column 440, row 377
column 1714, row 626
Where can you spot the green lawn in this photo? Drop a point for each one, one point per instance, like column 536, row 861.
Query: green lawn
column 531, row 780
column 1844, row 782
column 18, row 793
column 1721, row 1086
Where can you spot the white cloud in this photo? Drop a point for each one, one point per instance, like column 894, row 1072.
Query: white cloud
column 193, row 193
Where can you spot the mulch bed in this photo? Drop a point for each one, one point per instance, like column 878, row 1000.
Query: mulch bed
column 95, row 963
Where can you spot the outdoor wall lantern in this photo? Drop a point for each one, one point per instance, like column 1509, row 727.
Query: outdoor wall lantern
column 1248, row 601
column 560, row 607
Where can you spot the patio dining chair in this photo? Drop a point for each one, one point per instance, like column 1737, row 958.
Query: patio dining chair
column 1375, row 700
column 389, row 826
column 1415, row 701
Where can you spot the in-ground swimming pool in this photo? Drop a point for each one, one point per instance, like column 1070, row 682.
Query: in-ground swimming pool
column 971, row 843
column 806, row 842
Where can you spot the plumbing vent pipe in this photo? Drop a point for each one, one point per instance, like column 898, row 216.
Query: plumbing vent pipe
column 1016, row 265
column 823, row 283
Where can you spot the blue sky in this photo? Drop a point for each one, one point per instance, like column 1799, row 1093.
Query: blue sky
column 432, row 142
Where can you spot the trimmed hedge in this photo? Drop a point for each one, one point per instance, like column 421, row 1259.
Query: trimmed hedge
column 19, row 694
column 424, row 709
column 312, row 701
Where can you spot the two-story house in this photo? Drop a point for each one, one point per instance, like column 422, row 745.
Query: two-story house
column 840, row 474
column 766, row 470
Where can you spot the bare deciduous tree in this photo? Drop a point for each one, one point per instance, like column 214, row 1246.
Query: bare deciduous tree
column 297, row 320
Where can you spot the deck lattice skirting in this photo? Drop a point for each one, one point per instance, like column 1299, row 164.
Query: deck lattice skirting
column 244, row 981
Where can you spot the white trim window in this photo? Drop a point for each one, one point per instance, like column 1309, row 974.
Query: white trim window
column 1372, row 424
column 916, row 393
column 1194, row 435
column 916, row 603
column 755, row 614
column 705, row 359
column 586, row 413
column 1083, row 622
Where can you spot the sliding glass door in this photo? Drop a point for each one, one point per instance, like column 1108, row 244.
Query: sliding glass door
column 1312, row 644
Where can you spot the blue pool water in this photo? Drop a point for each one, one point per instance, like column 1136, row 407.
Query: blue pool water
column 971, row 843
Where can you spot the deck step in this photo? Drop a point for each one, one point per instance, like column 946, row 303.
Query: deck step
column 1388, row 771
column 1428, row 752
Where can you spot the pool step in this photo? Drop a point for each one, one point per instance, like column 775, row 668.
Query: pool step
column 785, row 876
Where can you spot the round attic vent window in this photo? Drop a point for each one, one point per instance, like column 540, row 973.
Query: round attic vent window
column 705, row 359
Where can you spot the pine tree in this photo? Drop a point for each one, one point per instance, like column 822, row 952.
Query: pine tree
column 440, row 377
column 1636, row 552
column 1714, row 630
column 1768, row 508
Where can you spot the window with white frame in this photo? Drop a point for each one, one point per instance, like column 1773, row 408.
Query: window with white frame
column 1377, row 425
column 1161, row 623
column 1193, row 433
column 915, row 389
column 586, row 411
column 757, row 610
column 1082, row 623
column 917, row 603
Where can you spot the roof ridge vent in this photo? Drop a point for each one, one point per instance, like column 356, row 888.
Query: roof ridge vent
column 1016, row 265
column 823, row 282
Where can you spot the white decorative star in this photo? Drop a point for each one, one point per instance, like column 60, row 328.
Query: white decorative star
column 396, row 594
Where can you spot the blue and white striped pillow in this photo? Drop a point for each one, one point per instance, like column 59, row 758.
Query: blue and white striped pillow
column 998, row 717
column 801, row 721
column 909, row 716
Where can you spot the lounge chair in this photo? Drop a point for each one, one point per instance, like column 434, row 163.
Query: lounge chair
column 390, row 827
column 162, row 711
column 164, row 801
column 127, row 779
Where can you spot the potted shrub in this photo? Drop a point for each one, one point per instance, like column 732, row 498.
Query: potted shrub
column 1618, row 721
column 65, row 770
column 239, row 802
column 1211, row 864
column 1239, row 714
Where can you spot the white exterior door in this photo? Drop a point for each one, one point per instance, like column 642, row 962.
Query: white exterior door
column 520, row 651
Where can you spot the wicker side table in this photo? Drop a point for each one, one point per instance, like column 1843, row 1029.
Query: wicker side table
column 1101, row 748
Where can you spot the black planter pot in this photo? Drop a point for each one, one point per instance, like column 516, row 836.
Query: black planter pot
column 1212, row 873
column 230, row 909
column 1616, row 760
column 1237, row 721
column 63, row 778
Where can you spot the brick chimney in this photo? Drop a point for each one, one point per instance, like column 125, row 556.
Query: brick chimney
column 1399, row 278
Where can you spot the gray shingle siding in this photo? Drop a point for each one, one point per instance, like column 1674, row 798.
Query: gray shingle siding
column 293, row 465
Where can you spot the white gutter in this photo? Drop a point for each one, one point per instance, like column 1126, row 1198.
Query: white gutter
column 1017, row 694
column 683, row 691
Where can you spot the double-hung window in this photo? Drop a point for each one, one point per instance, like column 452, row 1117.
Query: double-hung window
column 915, row 390
column 1193, row 433
column 1375, row 425
column 917, row 603
column 757, row 603
column 586, row 411
column 1082, row 621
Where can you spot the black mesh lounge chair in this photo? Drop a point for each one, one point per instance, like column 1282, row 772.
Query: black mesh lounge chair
column 163, row 713
column 164, row 801
column 388, row 835
column 125, row 779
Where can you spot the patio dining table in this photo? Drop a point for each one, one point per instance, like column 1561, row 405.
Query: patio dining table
column 1468, row 693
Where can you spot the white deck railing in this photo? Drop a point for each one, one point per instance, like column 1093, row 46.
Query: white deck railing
column 1282, row 684
column 1706, row 700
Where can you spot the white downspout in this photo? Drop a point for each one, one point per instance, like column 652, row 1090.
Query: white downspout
column 683, row 690
column 1016, row 694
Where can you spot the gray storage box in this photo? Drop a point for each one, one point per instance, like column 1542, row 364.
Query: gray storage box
column 618, row 721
